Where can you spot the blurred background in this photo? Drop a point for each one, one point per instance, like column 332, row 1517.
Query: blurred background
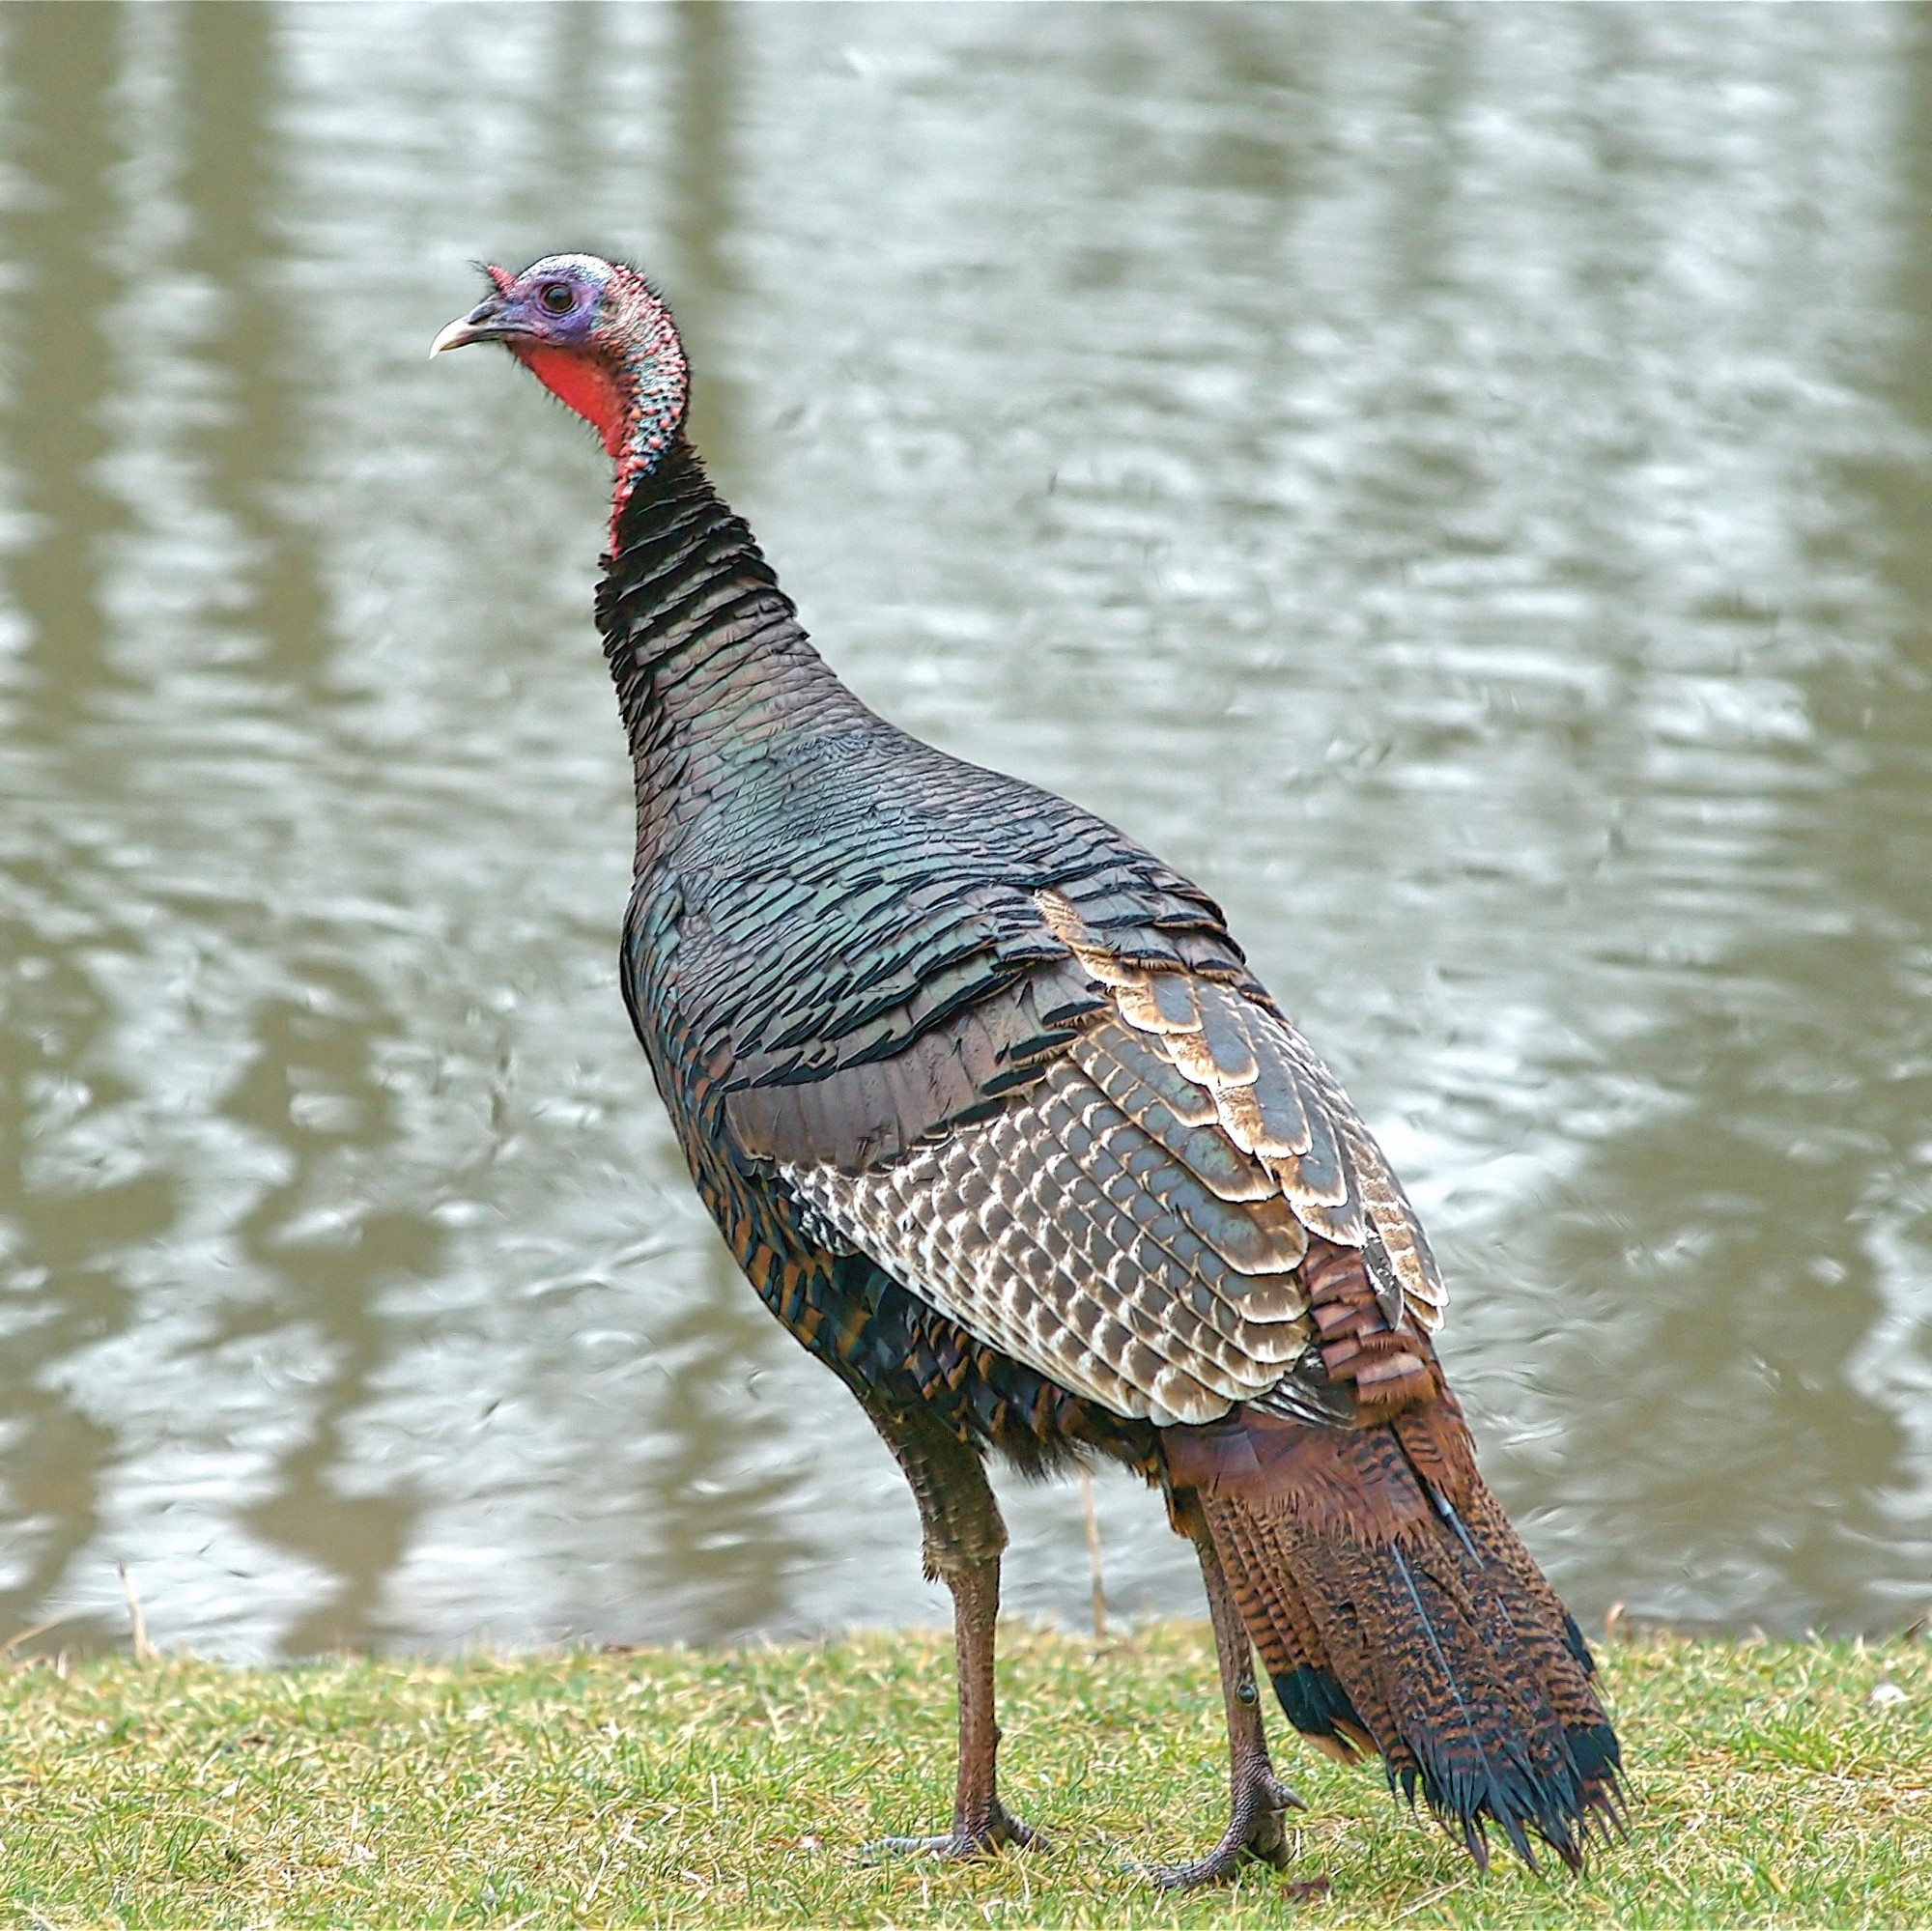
column 1454, row 481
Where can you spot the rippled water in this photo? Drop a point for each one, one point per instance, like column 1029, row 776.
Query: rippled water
column 1457, row 482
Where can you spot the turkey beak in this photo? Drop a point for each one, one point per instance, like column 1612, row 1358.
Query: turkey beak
column 483, row 324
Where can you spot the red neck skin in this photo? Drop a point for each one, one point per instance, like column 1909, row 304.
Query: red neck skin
column 583, row 384
column 636, row 408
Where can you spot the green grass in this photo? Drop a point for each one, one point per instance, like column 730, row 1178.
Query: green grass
column 680, row 1788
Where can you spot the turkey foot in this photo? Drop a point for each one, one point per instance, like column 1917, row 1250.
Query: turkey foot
column 1254, row 1832
column 980, row 1823
column 1258, row 1798
column 996, row 1830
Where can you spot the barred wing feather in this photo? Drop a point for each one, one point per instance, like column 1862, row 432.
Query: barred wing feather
column 1134, row 1222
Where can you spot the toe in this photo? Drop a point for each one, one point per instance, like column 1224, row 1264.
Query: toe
column 979, row 1838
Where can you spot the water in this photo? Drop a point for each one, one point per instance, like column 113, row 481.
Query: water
column 1455, row 482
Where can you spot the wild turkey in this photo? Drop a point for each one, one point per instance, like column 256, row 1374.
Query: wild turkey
column 1000, row 1126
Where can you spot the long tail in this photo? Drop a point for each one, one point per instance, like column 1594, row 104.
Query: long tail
column 1397, row 1611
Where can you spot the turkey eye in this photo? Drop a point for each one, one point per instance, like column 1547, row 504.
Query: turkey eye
column 559, row 298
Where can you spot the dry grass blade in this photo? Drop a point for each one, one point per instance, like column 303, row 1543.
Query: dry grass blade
column 32, row 1631
column 1099, row 1582
column 138, row 1623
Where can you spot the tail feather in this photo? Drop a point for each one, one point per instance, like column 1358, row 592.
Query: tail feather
column 1396, row 1611
column 1288, row 1636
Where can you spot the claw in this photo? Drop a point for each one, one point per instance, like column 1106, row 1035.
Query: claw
column 1000, row 1831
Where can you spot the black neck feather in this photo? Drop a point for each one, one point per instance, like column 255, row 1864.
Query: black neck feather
column 712, row 667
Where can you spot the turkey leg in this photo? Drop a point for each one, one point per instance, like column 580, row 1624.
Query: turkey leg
column 964, row 1536
column 1258, row 1798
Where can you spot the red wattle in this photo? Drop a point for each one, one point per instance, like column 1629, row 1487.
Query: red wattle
column 583, row 384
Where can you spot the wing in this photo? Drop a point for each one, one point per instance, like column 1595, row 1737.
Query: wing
column 1156, row 1194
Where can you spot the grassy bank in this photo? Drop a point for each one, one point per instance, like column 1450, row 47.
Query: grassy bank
column 669, row 1788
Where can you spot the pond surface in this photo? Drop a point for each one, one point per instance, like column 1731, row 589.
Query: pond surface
column 1457, row 482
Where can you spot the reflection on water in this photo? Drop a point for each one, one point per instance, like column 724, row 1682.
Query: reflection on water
column 1455, row 482
column 70, row 1222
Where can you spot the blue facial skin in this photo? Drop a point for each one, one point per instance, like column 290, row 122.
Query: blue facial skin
column 532, row 305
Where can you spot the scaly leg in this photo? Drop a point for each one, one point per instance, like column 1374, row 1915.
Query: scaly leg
column 1258, row 1798
column 964, row 1536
